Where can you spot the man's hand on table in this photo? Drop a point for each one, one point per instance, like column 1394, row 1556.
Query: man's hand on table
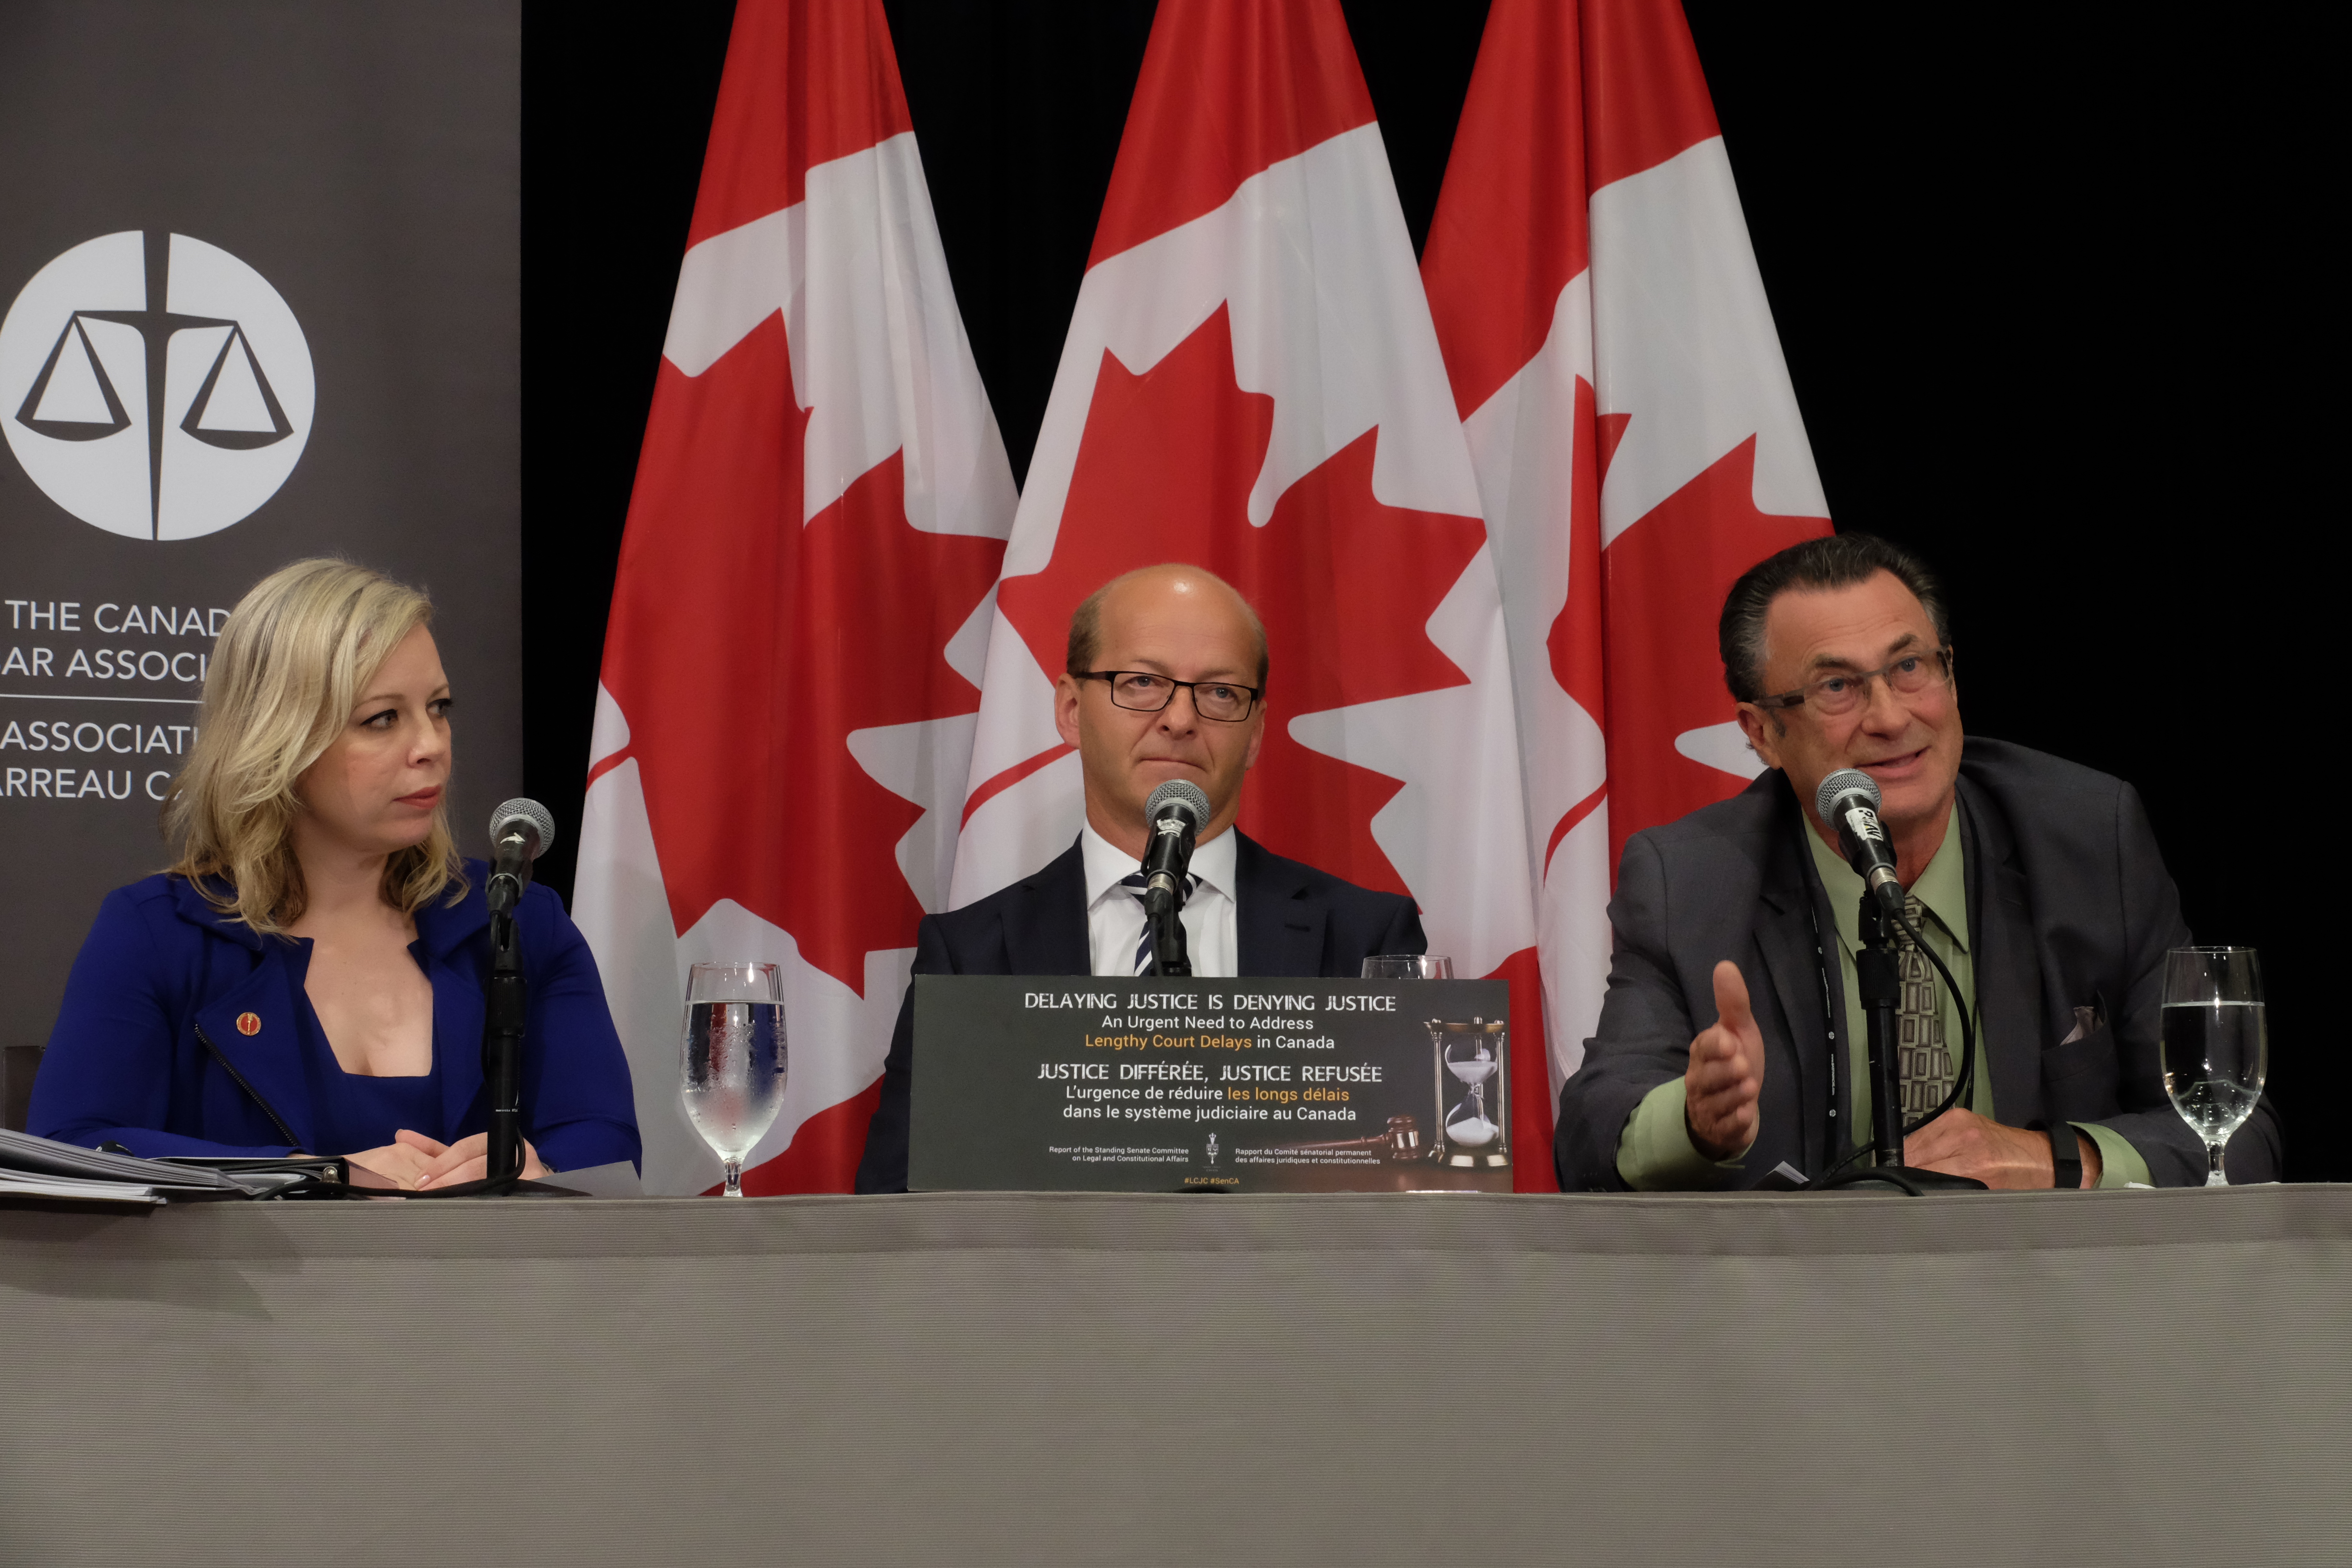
column 1961, row 1143
column 1726, row 1076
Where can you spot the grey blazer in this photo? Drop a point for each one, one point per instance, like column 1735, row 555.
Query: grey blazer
column 2069, row 906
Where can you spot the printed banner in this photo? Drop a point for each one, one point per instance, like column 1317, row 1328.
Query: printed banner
column 258, row 300
column 1096, row 1084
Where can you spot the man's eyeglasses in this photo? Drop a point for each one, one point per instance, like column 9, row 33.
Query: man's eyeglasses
column 1843, row 690
column 1147, row 693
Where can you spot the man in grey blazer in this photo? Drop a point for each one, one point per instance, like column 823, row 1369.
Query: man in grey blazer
column 1729, row 1040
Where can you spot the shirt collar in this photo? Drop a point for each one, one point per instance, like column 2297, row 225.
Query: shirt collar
column 1942, row 887
column 1106, row 864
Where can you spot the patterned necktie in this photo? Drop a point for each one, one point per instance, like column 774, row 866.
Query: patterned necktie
column 1927, row 1065
column 1134, row 882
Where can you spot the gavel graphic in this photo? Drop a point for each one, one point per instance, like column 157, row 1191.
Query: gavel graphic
column 1402, row 1140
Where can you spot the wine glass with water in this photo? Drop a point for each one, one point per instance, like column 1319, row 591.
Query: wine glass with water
column 2216, row 1043
column 732, row 1078
column 1408, row 966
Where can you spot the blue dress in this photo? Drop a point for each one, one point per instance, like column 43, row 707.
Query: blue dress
column 353, row 1110
column 183, row 1032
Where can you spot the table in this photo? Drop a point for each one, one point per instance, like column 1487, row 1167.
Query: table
column 2058, row 1377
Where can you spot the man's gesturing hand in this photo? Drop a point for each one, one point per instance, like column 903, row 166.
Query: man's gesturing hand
column 1727, row 1072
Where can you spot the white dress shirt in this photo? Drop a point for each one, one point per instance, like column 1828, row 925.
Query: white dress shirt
column 1115, row 914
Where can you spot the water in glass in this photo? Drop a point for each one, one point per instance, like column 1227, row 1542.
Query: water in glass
column 1409, row 966
column 2215, row 1043
column 735, row 1063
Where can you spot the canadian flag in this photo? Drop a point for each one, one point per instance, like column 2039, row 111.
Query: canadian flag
column 790, row 674
column 1251, row 383
column 1636, row 440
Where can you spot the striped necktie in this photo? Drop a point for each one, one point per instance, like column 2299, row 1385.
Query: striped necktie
column 1134, row 882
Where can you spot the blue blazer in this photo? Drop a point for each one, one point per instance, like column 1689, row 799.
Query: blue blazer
column 147, row 1049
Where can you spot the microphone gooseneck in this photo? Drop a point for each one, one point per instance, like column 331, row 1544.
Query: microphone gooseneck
column 1848, row 802
column 521, row 831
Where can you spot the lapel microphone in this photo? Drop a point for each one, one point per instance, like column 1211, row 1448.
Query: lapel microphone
column 1848, row 802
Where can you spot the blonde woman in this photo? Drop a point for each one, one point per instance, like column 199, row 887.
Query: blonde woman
column 309, row 975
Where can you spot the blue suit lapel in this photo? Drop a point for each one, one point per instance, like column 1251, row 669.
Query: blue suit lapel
column 1278, row 926
column 1046, row 933
column 266, row 1062
column 254, row 1028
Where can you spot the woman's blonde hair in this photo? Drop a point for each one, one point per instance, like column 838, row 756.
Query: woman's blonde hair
column 294, row 658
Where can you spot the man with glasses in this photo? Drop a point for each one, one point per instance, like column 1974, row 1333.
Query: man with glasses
column 1164, row 677
column 1731, row 1039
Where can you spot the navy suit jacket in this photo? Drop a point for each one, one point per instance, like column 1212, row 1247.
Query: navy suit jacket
column 1291, row 920
column 147, row 1052
column 2069, row 906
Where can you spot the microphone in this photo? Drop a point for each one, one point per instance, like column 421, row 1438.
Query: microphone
column 521, row 831
column 1177, row 811
column 1848, row 801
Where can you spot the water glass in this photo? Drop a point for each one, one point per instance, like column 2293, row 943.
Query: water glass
column 731, row 1080
column 2215, row 1043
column 1409, row 966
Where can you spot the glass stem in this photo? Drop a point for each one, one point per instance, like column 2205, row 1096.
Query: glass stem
column 2213, row 1176
column 735, row 1179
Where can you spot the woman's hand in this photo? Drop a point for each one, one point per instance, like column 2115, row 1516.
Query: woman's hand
column 398, row 1163
column 466, row 1160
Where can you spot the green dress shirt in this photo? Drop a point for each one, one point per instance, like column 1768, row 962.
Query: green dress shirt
column 1654, row 1153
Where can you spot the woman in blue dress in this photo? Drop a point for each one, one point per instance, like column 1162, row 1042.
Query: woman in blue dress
column 309, row 975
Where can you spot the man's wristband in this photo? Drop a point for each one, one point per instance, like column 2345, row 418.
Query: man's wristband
column 2066, row 1156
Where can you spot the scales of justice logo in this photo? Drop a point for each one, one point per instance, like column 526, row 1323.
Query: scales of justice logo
column 154, row 385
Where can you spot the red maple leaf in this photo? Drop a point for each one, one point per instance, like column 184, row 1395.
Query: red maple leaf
column 1345, row 585
column 1665, row 579
column 746, row 648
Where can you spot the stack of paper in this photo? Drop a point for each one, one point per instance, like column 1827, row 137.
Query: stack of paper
column 34, row 1167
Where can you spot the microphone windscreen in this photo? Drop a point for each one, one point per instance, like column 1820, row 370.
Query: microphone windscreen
column 528, row 814
column 1844, row 781
column 1189, row 797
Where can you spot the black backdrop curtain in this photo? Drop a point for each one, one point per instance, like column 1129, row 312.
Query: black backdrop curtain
column 2040, row 278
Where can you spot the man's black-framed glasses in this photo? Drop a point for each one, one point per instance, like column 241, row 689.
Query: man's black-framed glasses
column 1844, row 690
column 1145, row 692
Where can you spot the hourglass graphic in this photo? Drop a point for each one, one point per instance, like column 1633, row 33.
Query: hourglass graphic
column 1473, row 1108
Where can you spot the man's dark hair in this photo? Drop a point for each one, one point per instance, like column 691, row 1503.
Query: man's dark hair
column 1839, row 561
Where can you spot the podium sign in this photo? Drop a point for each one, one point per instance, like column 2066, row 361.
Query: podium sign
column 1094, row 1083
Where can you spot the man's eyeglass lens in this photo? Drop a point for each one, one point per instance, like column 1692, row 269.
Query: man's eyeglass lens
column 1150, row 693
column 1844, row 692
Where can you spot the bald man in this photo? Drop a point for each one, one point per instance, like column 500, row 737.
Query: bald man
column 1165, row 678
